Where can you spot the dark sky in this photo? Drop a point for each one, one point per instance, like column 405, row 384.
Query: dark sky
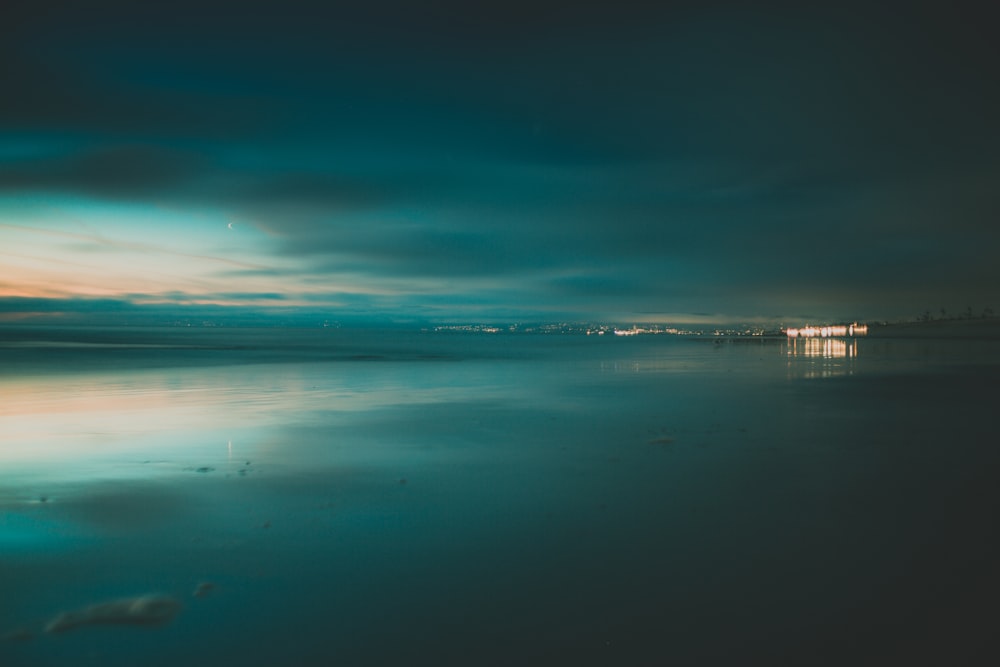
column 678, row 162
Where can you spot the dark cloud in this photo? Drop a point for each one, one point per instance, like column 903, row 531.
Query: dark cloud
column 129, row 304
column 183, row 297
column 113, row 172
column 78, row 305
column 178, row 308
column 643, row 156
column 63, row 92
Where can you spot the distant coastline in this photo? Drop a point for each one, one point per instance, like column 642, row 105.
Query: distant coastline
column 983, row 328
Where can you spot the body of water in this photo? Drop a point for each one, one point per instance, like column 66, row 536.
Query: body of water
column 351, row 497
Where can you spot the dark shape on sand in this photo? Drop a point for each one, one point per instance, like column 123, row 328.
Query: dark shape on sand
column 203, row 589
column 17, row 635
column 150, row 610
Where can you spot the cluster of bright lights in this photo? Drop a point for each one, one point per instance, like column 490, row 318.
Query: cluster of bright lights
column 829, row 331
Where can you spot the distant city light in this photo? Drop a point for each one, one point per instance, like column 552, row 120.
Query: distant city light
column 829, row 331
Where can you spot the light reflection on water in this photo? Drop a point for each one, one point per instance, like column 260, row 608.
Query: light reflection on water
column 827, row 348
column 525, row 499
column 814, row 358
column 52, row 424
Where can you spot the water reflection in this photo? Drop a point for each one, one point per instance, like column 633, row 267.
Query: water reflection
column 341, row 503
column 821, row 357
column 139, row 423
column 827, row 348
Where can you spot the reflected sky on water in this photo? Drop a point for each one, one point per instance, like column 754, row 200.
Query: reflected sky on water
column 510, row 497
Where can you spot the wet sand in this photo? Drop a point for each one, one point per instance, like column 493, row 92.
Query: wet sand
column 631, row 503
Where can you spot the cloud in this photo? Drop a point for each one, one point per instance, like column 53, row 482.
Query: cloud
column 121, row 171
column 229, row 298
column 619, row 157
column 71, row 305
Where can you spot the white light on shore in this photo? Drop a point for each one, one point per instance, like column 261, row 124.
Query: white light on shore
column 828, row 331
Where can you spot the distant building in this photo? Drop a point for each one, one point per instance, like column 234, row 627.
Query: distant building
column 829, row 331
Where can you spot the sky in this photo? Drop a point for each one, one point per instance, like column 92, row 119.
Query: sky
column 496, row 161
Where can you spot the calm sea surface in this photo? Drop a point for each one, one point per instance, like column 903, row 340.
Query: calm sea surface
column 319, row 497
